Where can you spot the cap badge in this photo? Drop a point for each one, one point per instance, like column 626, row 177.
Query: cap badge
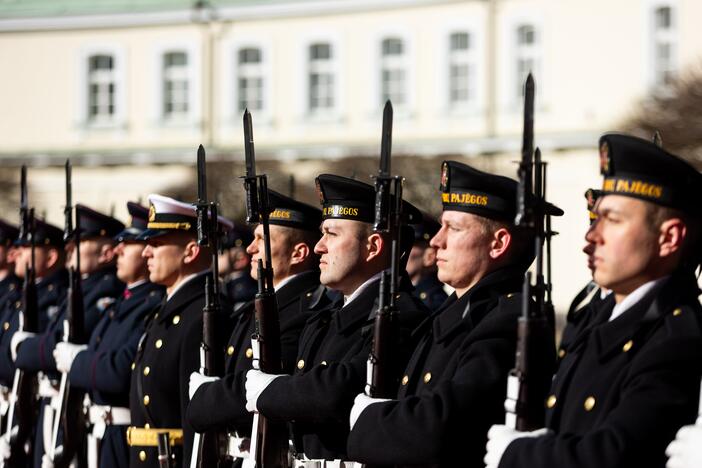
column 444, row 176
column 605, row 163
column 152, row 213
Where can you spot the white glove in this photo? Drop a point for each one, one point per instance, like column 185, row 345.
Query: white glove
column 685, row 451
column 360, row 403
column 197, row 379
column 4, row 448
column 46, row 461
column 256, row 383
column 17, row 338
column 65, row 353
column 499, row 438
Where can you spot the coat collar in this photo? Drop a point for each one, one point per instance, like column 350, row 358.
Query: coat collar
column 192, row 290
column 139, row 295
column 292, row 290
column 450, row 318
column 360, row 310
column 611, row 337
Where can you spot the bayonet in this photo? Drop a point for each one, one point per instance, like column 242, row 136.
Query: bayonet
column 383, row 179
column 525, row 212
column 253, row 209
column 68, row 209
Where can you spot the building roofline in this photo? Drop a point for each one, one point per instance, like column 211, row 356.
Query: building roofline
column 247, row 12
column 428, row 148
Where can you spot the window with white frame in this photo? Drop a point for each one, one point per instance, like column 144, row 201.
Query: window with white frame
column 526, row 56
column 321, row 77
column 249, row 79
column 393, row 71
column 664, row 45
column 461, row 70
column 175, row 85
column 102, row 84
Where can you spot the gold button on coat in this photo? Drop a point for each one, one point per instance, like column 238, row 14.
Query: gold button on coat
column 147, row 370
column 677, row 312
column 561, row 353
column 142, row 455
column 627, row 346
column 159, row 343
column 300, row 364
column 133, row 365
column 249, row 353
column 422, row 295
column 405, row 379
column 230, row 350
column 147, row 400
column 551, row 401
column 6, row 325
column 427, row 377
column 323, row 363
column 176, row 320
column 589, row 403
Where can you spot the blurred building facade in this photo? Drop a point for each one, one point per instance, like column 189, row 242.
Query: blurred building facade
column 128, row 88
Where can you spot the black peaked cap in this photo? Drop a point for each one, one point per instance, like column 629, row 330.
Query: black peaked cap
column 8, row 233
column 44, row 234
column 464, row 188
column 286, row 211
column 91, row 223
column 139, row 218
column 344, row 198
column 639, row 168
column 426, row 229
column 238, row 236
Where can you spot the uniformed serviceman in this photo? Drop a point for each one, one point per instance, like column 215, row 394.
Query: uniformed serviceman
column 52, row 281
column 294, row 232
column 169, row 350
column 421, row 265
column 103, row 366
column 9, row 282
column 235, row 266
column 454, row 385
column 335, row 343
column 100, row 288
column 10, row 292
column 631, row 376
column 591, row 292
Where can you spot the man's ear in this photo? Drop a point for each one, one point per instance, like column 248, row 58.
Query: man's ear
column 375, row 246
column 191, row 252
column 429, row 257
column 52, row 257
column 500, row 244
column 107, row 254
column 671, row 237
column 300, row 253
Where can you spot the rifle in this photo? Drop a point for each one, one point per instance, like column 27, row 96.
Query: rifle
column 211, row 361
column 164, row 451
column 69, row 419
column 381, row 378
column 269, row 440
column 528, row 383
column 23, row 402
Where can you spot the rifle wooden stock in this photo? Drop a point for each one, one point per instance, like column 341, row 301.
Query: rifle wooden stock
column 70, row 420
column 164, row 451
column 271, row 439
